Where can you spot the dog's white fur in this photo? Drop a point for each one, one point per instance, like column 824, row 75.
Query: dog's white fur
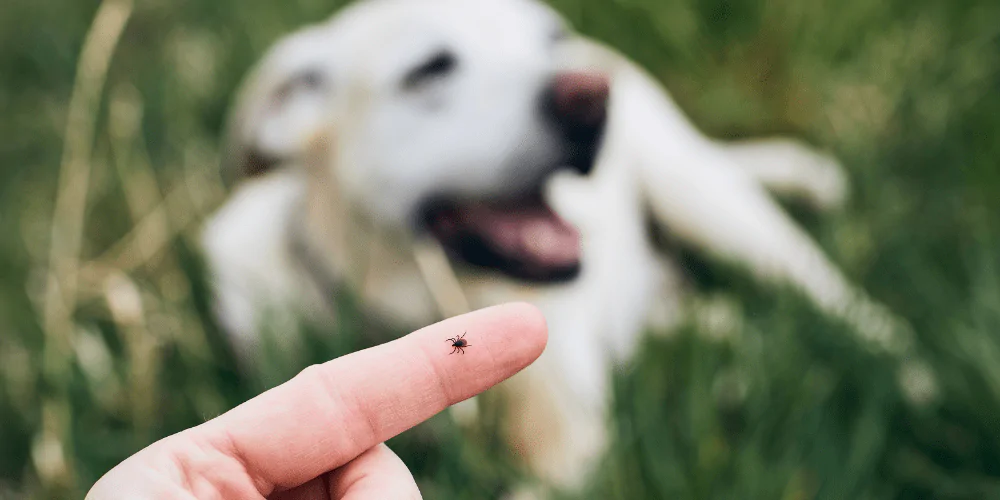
column 357, row 156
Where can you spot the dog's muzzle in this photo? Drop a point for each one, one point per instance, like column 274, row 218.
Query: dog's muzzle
column 577, row 103
column 520, row 235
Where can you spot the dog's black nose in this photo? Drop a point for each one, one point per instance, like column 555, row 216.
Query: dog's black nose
column 578, row 104
column 580, row 99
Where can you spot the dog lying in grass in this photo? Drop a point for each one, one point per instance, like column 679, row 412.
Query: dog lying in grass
column 436, row 156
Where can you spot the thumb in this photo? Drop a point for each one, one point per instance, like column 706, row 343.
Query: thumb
column 376, row 473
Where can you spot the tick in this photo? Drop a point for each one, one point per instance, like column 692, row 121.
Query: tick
column 459, row 343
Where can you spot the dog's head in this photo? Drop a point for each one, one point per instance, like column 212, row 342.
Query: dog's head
column 442, row 116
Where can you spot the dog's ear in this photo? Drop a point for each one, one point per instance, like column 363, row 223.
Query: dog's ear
column 281, row 106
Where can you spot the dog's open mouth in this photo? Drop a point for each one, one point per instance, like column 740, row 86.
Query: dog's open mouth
column 521, row 237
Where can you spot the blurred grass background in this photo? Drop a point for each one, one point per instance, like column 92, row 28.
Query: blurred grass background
column 765, row 400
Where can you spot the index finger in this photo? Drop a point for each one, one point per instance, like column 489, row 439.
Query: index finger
column 331, row 413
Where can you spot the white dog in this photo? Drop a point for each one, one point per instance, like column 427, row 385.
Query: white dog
column 436, row 156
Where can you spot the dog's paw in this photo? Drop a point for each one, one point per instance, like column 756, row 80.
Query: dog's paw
column 828, row 188
column 790, row 168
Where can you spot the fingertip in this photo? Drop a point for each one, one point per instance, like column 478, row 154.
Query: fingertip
column 502, row 340
column 533, row 327
column 516, row 332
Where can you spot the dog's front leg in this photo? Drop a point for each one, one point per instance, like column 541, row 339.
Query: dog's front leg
column 708, row 200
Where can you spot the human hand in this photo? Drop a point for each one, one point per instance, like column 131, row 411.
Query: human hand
column 320, row 435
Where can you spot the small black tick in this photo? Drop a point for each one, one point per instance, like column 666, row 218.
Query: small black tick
column 459, row 343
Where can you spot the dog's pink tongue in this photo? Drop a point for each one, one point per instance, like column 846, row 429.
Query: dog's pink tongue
column 532, row 232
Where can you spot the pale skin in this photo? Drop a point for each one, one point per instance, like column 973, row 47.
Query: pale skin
column 321, row 434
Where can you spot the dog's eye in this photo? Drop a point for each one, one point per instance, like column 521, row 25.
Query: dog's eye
column 309, row 80
column 439, row 65
column 559, row 33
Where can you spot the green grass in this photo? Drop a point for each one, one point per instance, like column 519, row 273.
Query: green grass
column 778, row 403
